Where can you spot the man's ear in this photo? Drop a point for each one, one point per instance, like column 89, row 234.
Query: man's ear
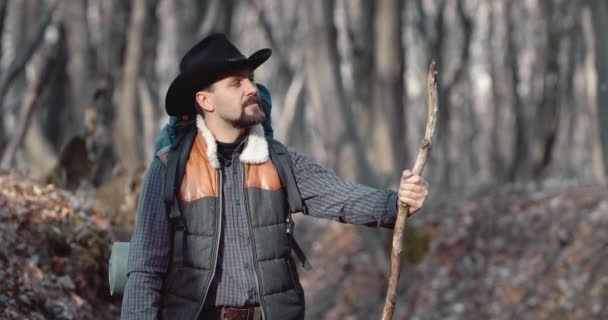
column 204, row 100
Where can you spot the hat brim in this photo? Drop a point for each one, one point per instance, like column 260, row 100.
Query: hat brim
column 180, row 95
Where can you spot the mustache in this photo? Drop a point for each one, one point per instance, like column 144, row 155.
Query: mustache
column 251, row 100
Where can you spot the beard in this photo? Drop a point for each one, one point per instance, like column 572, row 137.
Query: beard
column 248, row 120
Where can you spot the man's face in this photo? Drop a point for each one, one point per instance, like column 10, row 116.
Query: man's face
column 235, row 99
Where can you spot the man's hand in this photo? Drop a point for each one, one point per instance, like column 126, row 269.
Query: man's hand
column 412, row 191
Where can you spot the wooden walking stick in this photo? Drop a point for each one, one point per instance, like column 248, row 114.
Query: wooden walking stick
column 404, row 210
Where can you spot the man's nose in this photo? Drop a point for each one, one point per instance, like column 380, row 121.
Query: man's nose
column 250, row 87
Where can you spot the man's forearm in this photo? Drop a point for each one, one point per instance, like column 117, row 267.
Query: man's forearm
column 149, row 251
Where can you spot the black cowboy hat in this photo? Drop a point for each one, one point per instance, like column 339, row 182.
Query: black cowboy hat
column 205, row 63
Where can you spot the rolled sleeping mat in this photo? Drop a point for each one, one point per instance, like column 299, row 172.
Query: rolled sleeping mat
column 118, row 267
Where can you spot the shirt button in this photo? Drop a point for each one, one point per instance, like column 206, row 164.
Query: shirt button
column 238, row 203
column 246, row 265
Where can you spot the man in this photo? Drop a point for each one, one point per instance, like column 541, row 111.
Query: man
column 236, row 257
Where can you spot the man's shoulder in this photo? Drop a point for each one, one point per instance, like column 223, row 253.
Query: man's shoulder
column 291, row 151
column 163, row 155
column 156, row 170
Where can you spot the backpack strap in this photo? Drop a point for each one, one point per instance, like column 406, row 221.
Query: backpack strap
column 176, row 166
column 282, row 161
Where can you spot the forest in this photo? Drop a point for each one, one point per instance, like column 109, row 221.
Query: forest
column 512, row 228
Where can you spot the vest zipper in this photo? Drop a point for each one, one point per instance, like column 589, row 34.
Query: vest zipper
column 217, row 242
column 253, row 254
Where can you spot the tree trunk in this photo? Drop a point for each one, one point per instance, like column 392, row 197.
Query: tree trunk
column 390, row 142
column 590, row 113
column 113, row 38
column 520, row 165
column 129, row 151
column 3, row 6
column 361, row 31
column 444, row 134
column 544, row 130
column 149, row 93
column 217, row 18
column 79, row 66
column 500, row 110
column 327, row 97
column 599, row 10
column 147, row 111
column 113, row 21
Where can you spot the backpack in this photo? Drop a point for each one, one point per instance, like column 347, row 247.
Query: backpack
column 179, row 135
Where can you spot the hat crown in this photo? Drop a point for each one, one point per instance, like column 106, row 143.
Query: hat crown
column 213, row 48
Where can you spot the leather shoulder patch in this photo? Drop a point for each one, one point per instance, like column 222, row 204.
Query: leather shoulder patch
column 263, row 176
column 200, row 179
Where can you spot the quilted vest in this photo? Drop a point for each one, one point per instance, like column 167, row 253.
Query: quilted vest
column 186, row 286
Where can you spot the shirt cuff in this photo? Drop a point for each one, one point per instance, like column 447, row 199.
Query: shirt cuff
column 390, row 208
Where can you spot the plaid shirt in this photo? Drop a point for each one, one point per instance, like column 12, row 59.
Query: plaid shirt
column 324, row 194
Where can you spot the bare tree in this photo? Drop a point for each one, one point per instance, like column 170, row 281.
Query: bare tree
column 128, row 148
column 389, row 143
column 79, row 66
column 520, row 145
column 361, row 35
column 599, row 10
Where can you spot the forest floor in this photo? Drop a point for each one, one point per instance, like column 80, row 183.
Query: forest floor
column 514, row 252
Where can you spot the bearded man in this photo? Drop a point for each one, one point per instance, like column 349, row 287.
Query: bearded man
column 235, row 262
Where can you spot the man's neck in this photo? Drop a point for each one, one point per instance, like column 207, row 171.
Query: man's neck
column 224, row 132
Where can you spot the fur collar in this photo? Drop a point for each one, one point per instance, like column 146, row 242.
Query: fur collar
column 255, row 151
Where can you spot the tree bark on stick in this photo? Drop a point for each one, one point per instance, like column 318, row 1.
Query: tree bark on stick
column 404, row 211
